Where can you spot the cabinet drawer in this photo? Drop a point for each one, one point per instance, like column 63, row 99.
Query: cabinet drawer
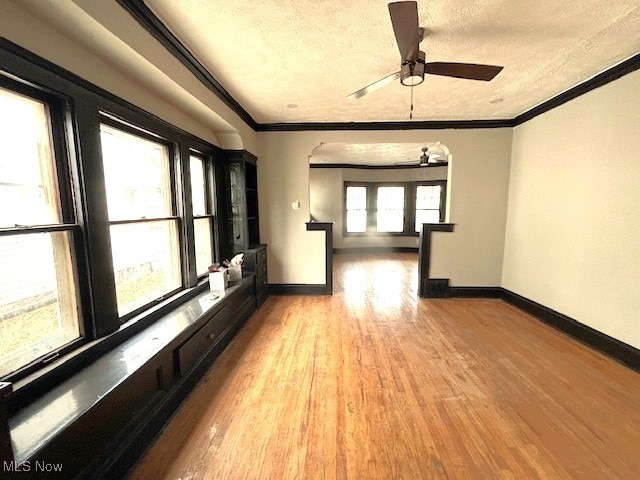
column 194, row 349
column 237, row 301
column 261, row 271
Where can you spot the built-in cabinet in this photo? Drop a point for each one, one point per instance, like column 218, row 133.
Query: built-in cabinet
column 255, row 261
column 241, row 179
column 243, row 228
column 119, row 408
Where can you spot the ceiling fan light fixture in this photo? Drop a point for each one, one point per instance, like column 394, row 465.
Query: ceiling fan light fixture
column 412, row 71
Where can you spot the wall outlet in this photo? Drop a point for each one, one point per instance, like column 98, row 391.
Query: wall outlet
column 417, row 241
column 295, row 205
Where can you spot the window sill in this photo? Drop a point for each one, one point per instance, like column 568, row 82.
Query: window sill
column 68, row 364
column 35, row 425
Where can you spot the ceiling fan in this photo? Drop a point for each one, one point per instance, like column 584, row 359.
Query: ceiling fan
column 404, row 18
column 426, row 159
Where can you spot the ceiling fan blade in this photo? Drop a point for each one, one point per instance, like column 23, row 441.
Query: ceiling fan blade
column 470, row 71
column 404, row 18
column 375, row 85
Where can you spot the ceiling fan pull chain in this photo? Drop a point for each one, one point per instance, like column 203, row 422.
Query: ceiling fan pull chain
column 411, row 108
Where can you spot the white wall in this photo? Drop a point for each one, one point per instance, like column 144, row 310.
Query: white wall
column 573, row 228
column 294, row 254
column 326, row 199
column 326, row 191
column 478, row 181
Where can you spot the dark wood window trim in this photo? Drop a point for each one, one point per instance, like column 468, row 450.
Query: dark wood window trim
column 172, row 159
column 443, row 199
column 344, row 208
column 409, row 223
column 77, row 110
column 210, row 204
column 57, row 107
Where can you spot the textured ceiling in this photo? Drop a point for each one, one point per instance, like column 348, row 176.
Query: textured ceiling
column 373, row 153
column 271, row 53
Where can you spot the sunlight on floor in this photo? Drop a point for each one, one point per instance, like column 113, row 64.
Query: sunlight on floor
column 375, row 285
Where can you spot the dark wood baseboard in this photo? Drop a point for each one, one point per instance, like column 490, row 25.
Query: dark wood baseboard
column 375, row 249
column 475, row 292
column 298, row 289
column 599, row 341
column 436, row 288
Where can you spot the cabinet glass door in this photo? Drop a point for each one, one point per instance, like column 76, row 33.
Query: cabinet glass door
column 237, row 197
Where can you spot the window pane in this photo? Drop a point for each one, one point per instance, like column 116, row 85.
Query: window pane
column 137, row 176
column 390, row 220
column 202, row 234
column 390, row 217
column 428, row 196
column 426, row 216
column 146, row 262
column 198, row 191
column 38, row 310
column 27, row 182
column 356, row 198
column 390, row 198
column 356, row 221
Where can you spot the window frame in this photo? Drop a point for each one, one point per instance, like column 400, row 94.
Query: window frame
column 443, row 198
column 58, row 110
column 77, row 107
column 172, row 154
column 410, row 193
column 406, row 192
column 346, row 185
column 210, row 206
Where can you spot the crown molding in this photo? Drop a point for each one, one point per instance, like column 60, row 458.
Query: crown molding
column 375, row 167
column 143, row 15
column 599, row 80
column 417, row 125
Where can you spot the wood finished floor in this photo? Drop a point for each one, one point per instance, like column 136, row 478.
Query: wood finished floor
column 375, row 383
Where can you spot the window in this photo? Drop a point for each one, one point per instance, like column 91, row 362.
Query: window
column 39, row 301
column 96, row 224
column 390, row 209
column 356, row 209
column 381, row 208
column 144, row 228
column 429, row 203
column 202, row 217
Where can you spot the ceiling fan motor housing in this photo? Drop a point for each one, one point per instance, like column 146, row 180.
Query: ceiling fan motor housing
column 412, row 71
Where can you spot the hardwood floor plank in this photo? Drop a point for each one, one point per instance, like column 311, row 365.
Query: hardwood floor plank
column 377, row 383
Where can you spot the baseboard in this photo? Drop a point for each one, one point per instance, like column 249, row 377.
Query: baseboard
column 603, row 343
column 475, row 292
column 436, row 288
column 298, row 289
column 375, row 249
column 599, row 341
